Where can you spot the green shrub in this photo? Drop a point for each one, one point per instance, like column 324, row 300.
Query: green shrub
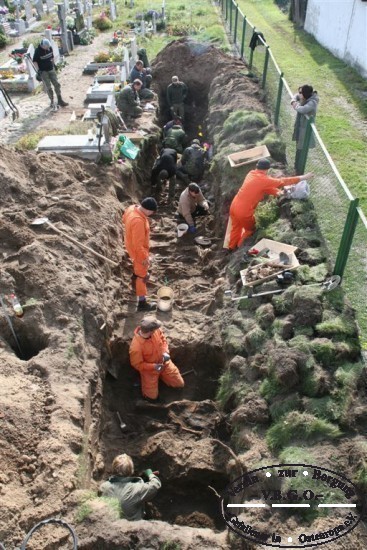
column 3, row 40
column 101, row 57
column 296, row 426
column 102, row 23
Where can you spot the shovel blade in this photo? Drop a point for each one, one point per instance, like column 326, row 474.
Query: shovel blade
column 39, row 221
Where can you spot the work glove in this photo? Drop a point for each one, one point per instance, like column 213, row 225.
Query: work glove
column 147, row 473
column 166, row 357
column 192, row 229
column 158, row 367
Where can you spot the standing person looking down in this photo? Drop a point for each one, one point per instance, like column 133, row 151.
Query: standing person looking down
column 256, row 185
column 192, row 203
column 149, row 354
column 136, row 239
column 128, row 101
column 192, row 164
column 131, row 491
column 176, row 95
column 305, row 102
column 43, row 60
column 139, row 73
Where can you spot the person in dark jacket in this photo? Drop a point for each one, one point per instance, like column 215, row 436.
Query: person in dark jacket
column 43, row 61
column 164, row 169
column 176, row 121
column 132, row 492
column 128, row 101
column 192, row 164
column 138, row 72
column 176, row 95
column 305, row 103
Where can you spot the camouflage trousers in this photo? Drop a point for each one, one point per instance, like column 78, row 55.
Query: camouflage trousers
column 49, row 78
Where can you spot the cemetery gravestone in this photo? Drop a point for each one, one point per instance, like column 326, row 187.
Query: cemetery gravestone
column 63, row 29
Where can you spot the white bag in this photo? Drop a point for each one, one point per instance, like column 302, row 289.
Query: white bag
column 300, row 191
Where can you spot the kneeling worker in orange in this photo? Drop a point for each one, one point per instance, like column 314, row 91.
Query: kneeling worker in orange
column 256, row 185
column 149, row 355
column 136, row 239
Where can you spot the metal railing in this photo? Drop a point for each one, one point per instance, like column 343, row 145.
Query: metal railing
column 341, row 221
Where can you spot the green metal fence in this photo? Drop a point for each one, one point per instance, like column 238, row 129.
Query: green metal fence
column 342, row 223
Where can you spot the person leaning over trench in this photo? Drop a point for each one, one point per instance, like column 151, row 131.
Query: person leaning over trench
column 149, row 354
column 136, row 239
column 256, row 185
column 132, row 492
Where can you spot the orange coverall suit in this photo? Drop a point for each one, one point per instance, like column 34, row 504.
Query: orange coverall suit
column 136, row 238
column 256, row 185
column 145, row 353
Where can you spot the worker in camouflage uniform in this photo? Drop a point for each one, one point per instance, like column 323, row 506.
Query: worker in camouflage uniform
column 175, row 138
column 131, row 491
column 128, row 101
column 139, row 73
column 176, row 95
column 192, row 164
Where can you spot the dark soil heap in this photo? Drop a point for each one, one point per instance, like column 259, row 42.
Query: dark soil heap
column 276, row 358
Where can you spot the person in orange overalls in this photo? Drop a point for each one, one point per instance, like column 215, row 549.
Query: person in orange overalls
column 149, row 355
column 136, row 239
column 256, row 185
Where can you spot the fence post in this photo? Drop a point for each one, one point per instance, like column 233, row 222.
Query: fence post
column 301, row 154
column 226, row 14
column 347, row 238
column 279, row 99
column 243, row 36
column 266, row 63
column 230, row 15
column 235, row 25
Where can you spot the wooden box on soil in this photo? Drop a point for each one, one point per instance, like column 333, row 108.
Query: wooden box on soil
column 275, row 248
column 248, row 156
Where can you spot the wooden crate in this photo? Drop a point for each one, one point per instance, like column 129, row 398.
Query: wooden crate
column 275, row 247
column 248, row 156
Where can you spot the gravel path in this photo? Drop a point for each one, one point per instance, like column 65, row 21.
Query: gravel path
column 34, row 110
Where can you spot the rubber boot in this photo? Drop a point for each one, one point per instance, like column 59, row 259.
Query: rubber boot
column 61, row 102
column 51, row 96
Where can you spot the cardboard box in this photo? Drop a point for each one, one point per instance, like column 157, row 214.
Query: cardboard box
column 248, row 156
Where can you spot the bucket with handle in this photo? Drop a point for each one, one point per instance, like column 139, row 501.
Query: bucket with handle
column 165, row 298
column 182, row 229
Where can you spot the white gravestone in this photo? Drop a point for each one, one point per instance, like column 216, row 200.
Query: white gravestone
column 54, row 46
column 28, row 11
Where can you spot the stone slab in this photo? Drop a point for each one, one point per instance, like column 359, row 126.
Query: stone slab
column 100, row 93
column 74, row 145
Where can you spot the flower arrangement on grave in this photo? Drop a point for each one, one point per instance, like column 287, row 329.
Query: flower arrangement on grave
column 116, row 54
column 112, row 70
column 3, row 10
column 101, row 57
column 70, row 22
column 87, row 39
column 7, row 75
column 102, row 22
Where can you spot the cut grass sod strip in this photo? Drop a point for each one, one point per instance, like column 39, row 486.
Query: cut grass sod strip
column 341, row 89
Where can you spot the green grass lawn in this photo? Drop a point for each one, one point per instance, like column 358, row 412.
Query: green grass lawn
column 342, row 107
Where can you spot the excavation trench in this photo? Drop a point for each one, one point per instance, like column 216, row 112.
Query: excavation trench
column 178, row 437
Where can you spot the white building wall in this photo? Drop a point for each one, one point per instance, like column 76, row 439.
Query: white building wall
column 341, row 27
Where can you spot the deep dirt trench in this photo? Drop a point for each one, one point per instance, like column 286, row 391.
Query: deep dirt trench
column 59, row 428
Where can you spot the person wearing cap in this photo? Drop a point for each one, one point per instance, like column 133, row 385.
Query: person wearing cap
column 43, row 60
column 176, row 121
column 191, row 204
column 176, row 95
column 136, row 239
column 128, row 101
column 164, row 169
column 131, row 491
column 138, row 72
column 175, row 138
column 149, row 354
column 305, row 103
column 192, row 164
column 256, row 185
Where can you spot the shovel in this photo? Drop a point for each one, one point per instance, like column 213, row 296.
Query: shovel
column 42, row 221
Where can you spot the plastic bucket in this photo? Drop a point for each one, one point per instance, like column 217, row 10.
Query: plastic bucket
column 182, row 229
column 165, row 298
